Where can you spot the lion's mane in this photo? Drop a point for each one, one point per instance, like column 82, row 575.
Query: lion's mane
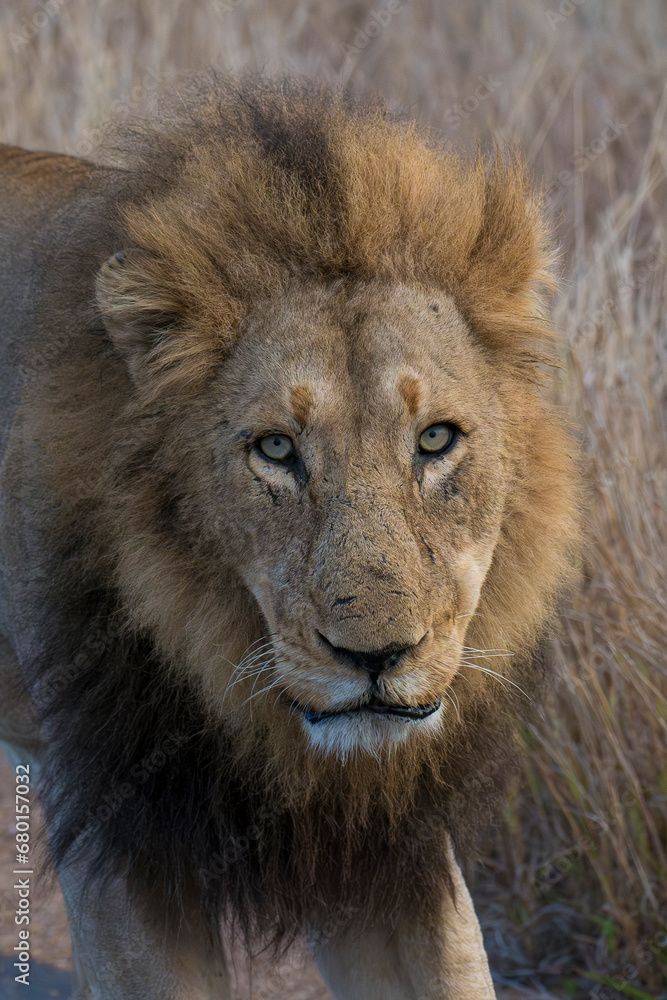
column 221, row 204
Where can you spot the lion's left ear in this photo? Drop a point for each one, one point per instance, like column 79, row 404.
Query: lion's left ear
column 509, row 273
column 137, row 309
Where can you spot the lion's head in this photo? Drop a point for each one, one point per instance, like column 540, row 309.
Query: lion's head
column 357, row 494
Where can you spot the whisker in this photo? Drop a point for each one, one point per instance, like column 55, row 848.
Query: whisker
column 248, row 675
column 248, row 655
column 245, row 663
column 265, row 690
column 248, row 664
column 245, row 651
column 492, row 673
column 455, row 702
column 253, row 669
column 254, row 643
column 487, row 656
column 492, row 651
column 498, row 650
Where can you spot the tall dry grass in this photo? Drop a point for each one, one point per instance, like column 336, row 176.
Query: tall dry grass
column 573, row 891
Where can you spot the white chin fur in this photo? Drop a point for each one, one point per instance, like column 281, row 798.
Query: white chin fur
column 361, row 732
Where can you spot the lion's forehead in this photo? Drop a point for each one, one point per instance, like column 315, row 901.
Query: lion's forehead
column 382, row 352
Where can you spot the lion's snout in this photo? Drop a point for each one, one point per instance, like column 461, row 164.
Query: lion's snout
column 383, row 629
column 367, row 585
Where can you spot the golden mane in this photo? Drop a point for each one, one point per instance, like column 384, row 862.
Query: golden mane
column 295, row 180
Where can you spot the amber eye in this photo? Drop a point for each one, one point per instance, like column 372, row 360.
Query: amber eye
column 437, row 438
column 276, row 446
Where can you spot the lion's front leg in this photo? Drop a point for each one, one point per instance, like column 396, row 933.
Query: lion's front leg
column 123, row 954
column 412, row 961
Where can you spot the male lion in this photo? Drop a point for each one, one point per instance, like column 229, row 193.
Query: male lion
column 284, row 514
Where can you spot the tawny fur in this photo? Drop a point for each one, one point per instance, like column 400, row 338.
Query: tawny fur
column 261, row 205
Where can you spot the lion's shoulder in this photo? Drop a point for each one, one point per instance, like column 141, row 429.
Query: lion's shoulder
column 32, row 180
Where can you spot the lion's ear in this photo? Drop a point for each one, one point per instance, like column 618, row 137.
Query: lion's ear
column 136, row 307
column 509, row 274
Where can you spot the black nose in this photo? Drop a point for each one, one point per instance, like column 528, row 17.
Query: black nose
column 375, row 662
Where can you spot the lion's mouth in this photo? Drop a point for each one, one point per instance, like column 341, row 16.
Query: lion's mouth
column 375, row 707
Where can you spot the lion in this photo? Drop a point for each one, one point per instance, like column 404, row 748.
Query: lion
column 285, row 514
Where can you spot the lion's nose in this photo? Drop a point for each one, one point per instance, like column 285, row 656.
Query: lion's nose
column 375, row 661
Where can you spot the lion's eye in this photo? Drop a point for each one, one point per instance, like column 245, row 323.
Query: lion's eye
column 437, row 438
column 277, row 446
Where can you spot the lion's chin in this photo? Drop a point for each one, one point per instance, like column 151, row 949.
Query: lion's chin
column 370, row 728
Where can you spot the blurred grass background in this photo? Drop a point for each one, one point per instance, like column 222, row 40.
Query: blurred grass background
column 572, row 890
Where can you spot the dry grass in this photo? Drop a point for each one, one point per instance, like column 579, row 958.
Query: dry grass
column 575, row 883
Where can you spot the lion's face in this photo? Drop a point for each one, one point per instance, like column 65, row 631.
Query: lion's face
column 361, row 442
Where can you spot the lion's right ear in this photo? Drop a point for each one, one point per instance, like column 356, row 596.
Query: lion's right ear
column 136, row 308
